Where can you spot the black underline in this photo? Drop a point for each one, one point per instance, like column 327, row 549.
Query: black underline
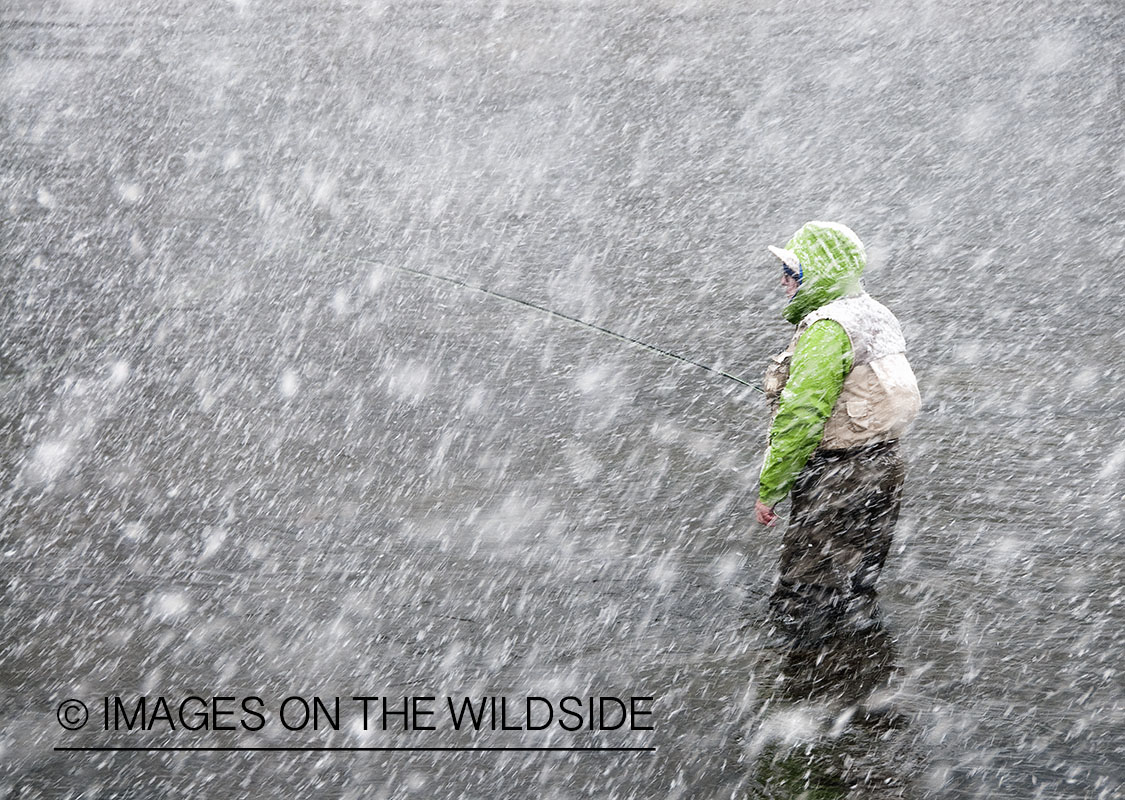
column 360, row 749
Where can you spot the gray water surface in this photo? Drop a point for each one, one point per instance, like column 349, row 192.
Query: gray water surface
column 244, row 453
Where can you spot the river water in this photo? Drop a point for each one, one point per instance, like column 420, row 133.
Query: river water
column 247, row 451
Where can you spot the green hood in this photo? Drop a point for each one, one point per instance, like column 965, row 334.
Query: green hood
column 832, row 259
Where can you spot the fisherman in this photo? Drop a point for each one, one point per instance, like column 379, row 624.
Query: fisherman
column 842, row 394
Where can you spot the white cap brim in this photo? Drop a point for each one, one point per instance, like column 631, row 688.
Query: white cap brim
column 788, row 257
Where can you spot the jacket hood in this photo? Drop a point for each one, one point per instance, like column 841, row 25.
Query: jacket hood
column 832, row 260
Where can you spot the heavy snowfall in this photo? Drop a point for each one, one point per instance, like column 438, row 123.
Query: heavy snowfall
column 273, row 425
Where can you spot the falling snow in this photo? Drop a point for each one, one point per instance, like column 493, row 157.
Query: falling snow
column 251, row 446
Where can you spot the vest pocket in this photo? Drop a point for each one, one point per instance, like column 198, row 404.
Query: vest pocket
column 858, row 419
column 777, row 375
column 900, row 387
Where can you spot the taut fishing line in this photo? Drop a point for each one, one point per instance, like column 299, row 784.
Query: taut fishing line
column 519, row 301
column 528, row 304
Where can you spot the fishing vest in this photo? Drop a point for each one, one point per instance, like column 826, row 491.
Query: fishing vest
column 880, row 397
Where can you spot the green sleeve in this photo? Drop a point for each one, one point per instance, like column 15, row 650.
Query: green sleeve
column 817, row 370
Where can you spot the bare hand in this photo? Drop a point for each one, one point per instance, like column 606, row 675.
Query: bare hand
column 764, row 514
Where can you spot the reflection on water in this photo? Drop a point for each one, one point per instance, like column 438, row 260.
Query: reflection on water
column 831, row 703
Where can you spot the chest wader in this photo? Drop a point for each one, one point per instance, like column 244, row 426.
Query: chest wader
column 845, row 506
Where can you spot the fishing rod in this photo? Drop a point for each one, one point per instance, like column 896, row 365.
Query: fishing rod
column 572, row 319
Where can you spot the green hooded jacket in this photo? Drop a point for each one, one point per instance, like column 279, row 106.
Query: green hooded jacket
column 832, row 259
